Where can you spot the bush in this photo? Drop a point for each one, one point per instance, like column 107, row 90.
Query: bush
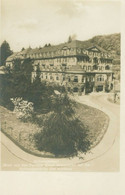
column 23, row 109
column 62, row 134
column 16, row 82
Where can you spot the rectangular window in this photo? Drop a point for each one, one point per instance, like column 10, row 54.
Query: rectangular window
column 83, row 79
column 63, row 78
column 89, row 67
column 85, row 67
column 64, row 65
column 69, row 79
column 76, row 79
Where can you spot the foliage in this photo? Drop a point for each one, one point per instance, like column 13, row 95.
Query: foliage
column 69, row 39
column 6, row 91
column 40, row 93
column 23, row 49
column 22, row 108
column 5, row 51
column 62, row 134
column 16, row 83
column 108, row 42
column 21, row 77
column 47, row 45
column 61, row 104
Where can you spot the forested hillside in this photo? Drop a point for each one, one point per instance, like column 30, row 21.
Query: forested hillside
column 110, row 43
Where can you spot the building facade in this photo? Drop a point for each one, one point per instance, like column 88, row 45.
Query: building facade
column 72, row 65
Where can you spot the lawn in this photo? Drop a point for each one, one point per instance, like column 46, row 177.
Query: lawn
column 23, row 133
column 96, row 121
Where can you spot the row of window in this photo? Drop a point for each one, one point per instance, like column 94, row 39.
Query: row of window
column 65, row 67
column 65, row 53
column 91, row 68
column 61, row 60
column 75, row 79
column 51, row 54
column 54, row 53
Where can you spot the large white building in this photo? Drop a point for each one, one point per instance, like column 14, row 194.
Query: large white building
column 72, row 64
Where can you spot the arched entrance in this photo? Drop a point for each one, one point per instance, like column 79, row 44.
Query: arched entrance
column 99, row 88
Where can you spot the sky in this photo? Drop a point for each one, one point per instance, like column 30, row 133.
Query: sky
column 37, row 22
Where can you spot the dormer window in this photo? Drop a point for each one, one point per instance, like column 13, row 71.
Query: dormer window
column 107, row 67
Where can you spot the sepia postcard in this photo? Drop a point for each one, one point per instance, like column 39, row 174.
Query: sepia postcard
column 62, row 94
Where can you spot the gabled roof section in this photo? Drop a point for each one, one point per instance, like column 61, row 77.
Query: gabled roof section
column 10, row 58
column 96, row 48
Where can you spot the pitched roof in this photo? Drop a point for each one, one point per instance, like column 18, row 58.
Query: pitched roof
column 52, row 48
column 98, row 47
column 73, row 44
column 12, row 56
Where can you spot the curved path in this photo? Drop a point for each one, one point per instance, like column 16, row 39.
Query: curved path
column 104, row 157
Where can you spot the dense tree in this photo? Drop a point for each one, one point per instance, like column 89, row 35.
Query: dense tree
column 5, row 51
column 17, row 82
column 69, row 39
column 49, row 45
column 63, row 134
column 39, row 93
column 23, row 49
column 21, row 77
column 110, row 43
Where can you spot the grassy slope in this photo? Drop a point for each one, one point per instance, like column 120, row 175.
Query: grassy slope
column 95, row 120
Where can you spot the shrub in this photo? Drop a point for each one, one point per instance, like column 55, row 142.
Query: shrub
column 62, row 104
column 23, row 109
column 62, row 134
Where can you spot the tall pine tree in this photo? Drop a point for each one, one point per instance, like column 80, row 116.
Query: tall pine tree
column 5, row 51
